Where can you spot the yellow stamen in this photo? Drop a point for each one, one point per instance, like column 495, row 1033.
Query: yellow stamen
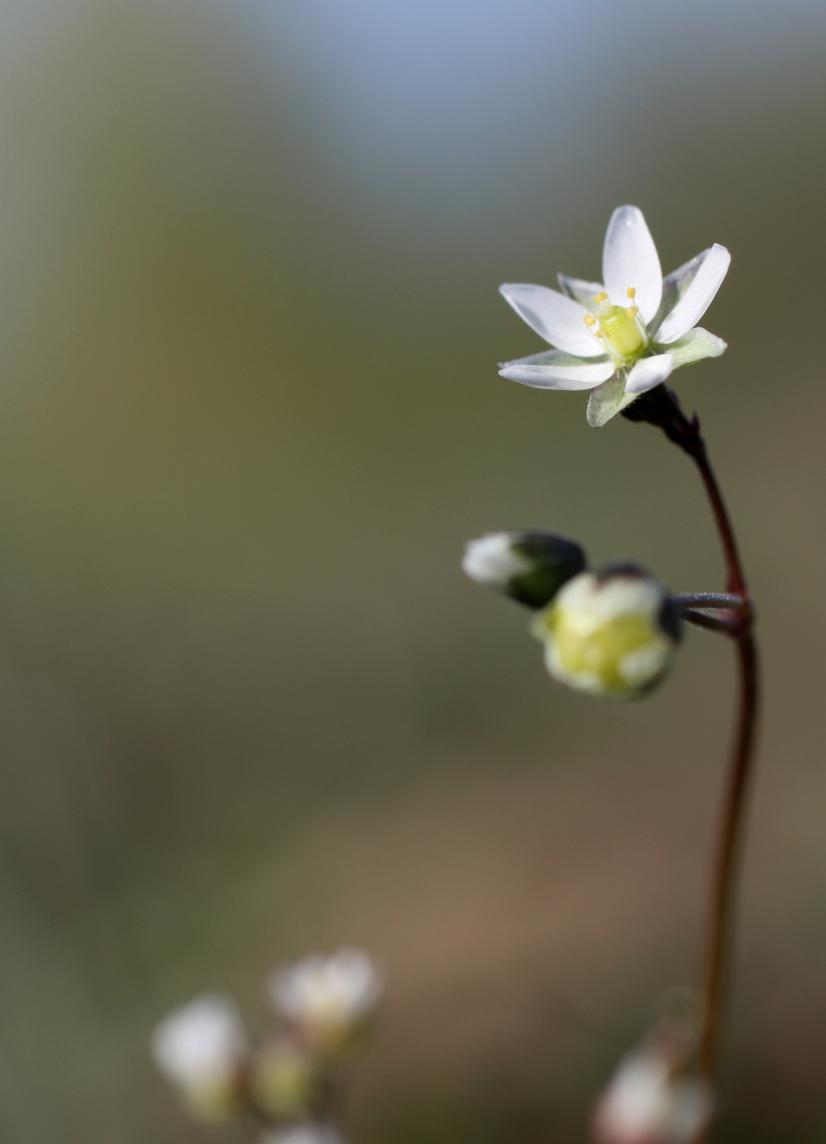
column 589, row 320
column 601, row 297
column 631, row 293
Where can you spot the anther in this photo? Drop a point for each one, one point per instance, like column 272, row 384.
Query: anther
column 589, row 320
column 601, row 297
column 631, row 293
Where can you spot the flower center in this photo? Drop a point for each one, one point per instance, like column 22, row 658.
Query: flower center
column 618, row 328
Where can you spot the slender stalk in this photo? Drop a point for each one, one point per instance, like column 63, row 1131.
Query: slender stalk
column 736, row 579
column 722, row 600
column 724, row 873
column 660, row 408
column 724, row 624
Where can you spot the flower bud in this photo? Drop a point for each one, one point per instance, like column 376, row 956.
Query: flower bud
column 328, row 999
column 611, row 633
column 283, row 1079
column 649, row 1102
column 200, row 1048
column 529, row 567
column 304, row 1134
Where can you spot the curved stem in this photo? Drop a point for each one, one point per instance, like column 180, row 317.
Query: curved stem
column 660, row 408
column 720, row 921
column 724, row 873
column 736, row 580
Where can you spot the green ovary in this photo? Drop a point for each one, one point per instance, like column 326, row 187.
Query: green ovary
column 622, row 330
column 585, row 650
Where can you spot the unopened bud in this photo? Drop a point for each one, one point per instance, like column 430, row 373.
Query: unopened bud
column 201, row 1048
column 647, row 1102
column 328, row 1000
column 283, row 1080
column 304, row 1134
column 529, row 566
column 611, row 633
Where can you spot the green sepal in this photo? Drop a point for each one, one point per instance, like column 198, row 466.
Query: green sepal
column 694, row 346
column 607, row 400
column 552, row 561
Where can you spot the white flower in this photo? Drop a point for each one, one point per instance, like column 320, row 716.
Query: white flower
column 529, row 566
column 304, row 1134
column 200, row 1048
column 612, row 633
column 645, row 1103
column 625, row 337
column 328, row 998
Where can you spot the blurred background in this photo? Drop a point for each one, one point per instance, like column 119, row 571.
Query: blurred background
column 249, row 415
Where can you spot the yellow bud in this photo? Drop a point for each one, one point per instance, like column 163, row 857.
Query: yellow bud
column 609, row 634
column 283, row 1079
column 214, row 1101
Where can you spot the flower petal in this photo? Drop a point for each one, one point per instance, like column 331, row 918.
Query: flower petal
column 607, row 400
column 555, row 370
column 698, row 296
column 648, row 372
column 557, row 319
column 630, row 258
column 580, row 290
column 696, row 345
column 675, row 285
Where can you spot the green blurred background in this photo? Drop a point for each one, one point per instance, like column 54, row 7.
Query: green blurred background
column 250, row 414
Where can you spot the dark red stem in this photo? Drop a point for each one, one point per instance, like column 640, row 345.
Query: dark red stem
column 661, row 408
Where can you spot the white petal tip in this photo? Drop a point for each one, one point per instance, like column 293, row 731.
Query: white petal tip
column 630, row 259
column 698, row 296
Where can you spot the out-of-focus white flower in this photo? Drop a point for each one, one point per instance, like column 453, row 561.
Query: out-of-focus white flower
column 612, row 633
column 283, row 1079
column 304, row 1134
column 200, row 1048
column 645, row 1103
column 328, row 999
column 625, row 337
column 529, row 566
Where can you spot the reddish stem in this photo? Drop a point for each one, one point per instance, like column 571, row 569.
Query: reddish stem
column 736, row 580
column 660, row 408
column 724, row 873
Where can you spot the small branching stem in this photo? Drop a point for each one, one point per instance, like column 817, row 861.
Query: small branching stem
column 726, row 625
column 660, row 407
column 726, row 601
